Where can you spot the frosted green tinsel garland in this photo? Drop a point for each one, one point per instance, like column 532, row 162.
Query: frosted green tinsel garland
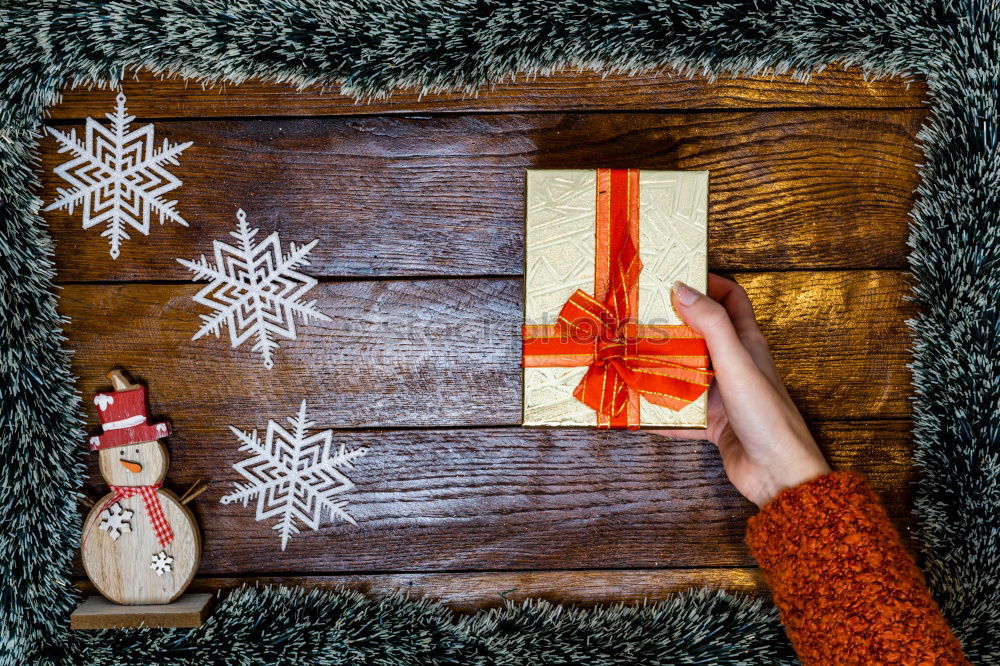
column 373, row 47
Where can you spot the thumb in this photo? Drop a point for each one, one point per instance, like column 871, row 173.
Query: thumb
column 710, row 319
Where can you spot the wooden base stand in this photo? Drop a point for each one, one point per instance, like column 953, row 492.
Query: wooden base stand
column 190, row 610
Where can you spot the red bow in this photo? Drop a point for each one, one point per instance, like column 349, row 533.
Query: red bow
column 667, row 365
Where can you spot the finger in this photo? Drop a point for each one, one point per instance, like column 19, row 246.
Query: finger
column 731, row 360
column 735, row 300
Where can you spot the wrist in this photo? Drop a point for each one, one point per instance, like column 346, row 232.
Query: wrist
column 794, row 471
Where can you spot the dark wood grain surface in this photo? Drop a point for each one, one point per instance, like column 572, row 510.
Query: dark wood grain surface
column 476, row 590
column 418, row 205
column 172, row 97
column 394, row 196
column 512, row 499
column 405, row 353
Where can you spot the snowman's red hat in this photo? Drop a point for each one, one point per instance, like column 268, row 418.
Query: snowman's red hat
column 123, row 417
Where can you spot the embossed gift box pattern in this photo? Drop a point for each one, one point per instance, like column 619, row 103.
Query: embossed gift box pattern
column 560, row 258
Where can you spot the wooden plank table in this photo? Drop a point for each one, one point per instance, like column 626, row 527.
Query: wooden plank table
column 418, row 204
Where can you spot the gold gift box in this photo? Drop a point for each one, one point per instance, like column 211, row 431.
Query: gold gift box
column 559, row 259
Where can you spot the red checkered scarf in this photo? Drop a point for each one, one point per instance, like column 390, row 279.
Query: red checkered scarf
column 153, row 508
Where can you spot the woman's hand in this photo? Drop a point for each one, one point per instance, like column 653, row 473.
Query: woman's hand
column 764, row 442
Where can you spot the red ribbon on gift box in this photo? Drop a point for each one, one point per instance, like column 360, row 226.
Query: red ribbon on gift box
column 667, row 365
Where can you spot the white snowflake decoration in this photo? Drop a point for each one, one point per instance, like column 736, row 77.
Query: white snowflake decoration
column 115, row 521
column 162, row 563
column 117, row 176
column 254, row 289
column 294, row 476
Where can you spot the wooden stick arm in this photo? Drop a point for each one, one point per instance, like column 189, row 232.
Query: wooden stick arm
column 197, row 488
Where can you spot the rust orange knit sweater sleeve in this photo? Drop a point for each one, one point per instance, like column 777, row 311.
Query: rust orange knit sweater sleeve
column 847, row 591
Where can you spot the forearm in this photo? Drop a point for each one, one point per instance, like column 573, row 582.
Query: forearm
column 847, row 591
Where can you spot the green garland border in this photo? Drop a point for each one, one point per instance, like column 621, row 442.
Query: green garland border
column 372, row 47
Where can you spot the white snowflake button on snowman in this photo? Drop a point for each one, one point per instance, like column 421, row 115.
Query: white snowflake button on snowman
column 115, row 521
column 162, row 563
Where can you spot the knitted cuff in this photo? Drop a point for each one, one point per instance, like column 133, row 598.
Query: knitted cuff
column 847, row 591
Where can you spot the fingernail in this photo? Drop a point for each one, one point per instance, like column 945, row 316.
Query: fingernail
column 685, row 294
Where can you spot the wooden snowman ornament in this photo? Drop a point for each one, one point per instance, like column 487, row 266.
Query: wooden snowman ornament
column 140, row 542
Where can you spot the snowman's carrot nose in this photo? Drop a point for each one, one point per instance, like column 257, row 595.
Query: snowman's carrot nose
column 131, row 466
